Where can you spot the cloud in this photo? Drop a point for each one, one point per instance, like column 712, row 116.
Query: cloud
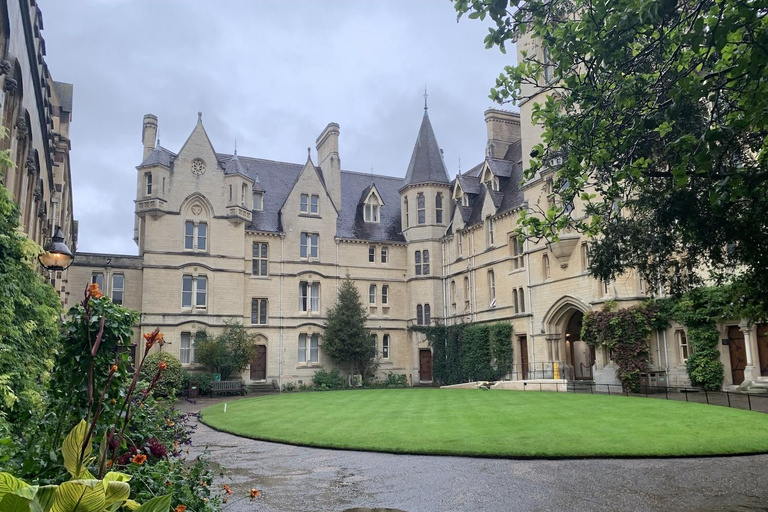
column 271, row 75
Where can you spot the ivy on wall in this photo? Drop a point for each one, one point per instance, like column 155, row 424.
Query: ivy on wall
column 625, row 334
column 469, row 352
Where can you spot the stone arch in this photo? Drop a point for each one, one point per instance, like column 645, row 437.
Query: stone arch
column 562, row 326
column 560, row 312
column 198, row 206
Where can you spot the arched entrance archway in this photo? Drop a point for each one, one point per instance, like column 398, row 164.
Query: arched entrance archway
column 580, row 355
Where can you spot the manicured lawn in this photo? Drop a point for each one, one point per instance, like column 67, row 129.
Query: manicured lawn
column 494, row 423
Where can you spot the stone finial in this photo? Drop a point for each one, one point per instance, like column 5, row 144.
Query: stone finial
column 199, row 117
column 309, row 153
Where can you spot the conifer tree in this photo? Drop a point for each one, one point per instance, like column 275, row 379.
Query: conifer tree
column 346, row 340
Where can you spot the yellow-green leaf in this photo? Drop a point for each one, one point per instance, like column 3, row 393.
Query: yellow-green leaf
column 72, row 450
column 9, row 483
column 115, row 476
column 132, row 505
column 159, row 504
column 45, row 496
column 115, row 491
column 79, row 496
column 20, row 500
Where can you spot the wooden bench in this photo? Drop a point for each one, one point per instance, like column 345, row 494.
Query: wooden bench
column 227, row 386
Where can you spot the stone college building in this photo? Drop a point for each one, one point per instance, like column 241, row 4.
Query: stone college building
column 225, row 237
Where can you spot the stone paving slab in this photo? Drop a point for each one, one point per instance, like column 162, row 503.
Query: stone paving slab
column 298, row 479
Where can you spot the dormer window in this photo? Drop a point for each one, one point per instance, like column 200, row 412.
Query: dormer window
column 372, row 209
column 465, row 200
column 258, row 201
column 309, row 204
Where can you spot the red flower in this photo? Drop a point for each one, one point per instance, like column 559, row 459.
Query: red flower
column 93, row 291
column 139, row 459
column 254, row 493
column 180, row 508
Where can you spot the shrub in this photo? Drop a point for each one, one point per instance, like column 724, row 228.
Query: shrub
column 289, row 387
column 203, row 380
column 229, row 353
column 395, row 380
column 704, row 367
column 328, row 380
column 172, row 378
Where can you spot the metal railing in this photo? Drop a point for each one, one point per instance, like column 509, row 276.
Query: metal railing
column 748, row 401
column 533, row 371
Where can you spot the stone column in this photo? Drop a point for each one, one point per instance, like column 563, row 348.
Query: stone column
column 751, row 371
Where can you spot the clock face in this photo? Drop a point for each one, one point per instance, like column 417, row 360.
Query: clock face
column 198, row 166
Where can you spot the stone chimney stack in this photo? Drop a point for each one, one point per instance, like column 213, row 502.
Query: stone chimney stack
column 149, row 134
column 328, row 159
column 503, row 131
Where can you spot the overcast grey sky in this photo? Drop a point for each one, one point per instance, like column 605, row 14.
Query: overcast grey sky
column 272, row 75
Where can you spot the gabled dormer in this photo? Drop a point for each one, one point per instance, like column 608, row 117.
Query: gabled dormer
column 371, row 202
column 488, row 178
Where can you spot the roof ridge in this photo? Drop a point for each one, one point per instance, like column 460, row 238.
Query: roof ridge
column 385, row 176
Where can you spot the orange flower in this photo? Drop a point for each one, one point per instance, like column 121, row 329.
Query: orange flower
column 162, row 365
column 170, row 423
column 153, row 337
column 254, row 493
column 114, row 368
column 226, row 488
column 93, row 291
column 180, row 508
column 140, row 458
column 109, row 464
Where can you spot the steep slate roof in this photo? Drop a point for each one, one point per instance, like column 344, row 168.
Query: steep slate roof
column 351, row 223
column 159, row 156
column 276, row 179
column 64, row 92
column 508, row 197
column 427, row 165
column 235, row 167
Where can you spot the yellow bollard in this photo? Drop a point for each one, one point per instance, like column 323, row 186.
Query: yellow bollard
column 556, row 370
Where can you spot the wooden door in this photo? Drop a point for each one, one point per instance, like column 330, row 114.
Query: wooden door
column 738, row 353
column 425, row 364
column 524, row 357
column 259, row 363
column 762, row 348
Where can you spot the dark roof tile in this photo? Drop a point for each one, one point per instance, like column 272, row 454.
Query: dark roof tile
column 426, row 165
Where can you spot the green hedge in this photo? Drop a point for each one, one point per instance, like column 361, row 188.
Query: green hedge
column 469, row 352
column 172, row 378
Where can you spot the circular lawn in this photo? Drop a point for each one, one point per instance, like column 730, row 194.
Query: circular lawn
column 494, row 423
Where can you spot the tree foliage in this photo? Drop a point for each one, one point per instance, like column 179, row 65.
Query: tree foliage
column 346, row 339
column 29, row 310
column 229, row 353
column 659, row 111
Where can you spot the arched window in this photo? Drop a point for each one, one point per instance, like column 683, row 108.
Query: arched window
column 514, row 299
column 417, row 260
column 419, row 314
column 426, row 314
column 545, row 266
column 421, row 208
column 425, row 265
column 522, row 301
column 406, row 219
column 439, row 208
column 372, row 294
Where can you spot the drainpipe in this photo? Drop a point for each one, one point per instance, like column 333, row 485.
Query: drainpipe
column 666, row 356
column 530, row 301
column 445, row 302
column 658, row 351
column 282, row 300
column 473, row 281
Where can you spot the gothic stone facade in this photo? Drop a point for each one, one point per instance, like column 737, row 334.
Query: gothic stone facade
column 230, row 238
column 35, row 113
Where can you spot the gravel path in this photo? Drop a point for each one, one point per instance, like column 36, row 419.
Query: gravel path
column 297, row 479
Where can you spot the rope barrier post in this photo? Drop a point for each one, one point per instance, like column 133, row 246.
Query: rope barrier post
column 666, row 393
column 749, row 401
column 728, row 396
column 706, row 395
column 686, row 394
column 609, row 390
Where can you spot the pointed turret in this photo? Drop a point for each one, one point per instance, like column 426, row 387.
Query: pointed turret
column 234, row 166
column 427, row 165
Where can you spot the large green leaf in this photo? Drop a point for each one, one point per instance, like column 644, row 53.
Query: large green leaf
column 80, row 496
column 159, row 504
column 115, row 491
column 20, row 500
column 9, row 483
column 46, row 494
column 73, row 452
column 116, row 476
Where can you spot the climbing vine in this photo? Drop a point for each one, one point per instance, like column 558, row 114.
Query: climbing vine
column 625, row 334
column 469, row 352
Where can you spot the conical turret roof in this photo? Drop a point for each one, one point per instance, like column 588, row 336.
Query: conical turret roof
column 427, row 165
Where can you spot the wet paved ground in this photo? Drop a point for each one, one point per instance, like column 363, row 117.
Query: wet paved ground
column 296, row 479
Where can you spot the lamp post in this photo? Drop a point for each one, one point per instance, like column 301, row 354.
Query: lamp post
column 56, row 255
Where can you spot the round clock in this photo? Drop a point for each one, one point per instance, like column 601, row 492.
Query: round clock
column 198, row 166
